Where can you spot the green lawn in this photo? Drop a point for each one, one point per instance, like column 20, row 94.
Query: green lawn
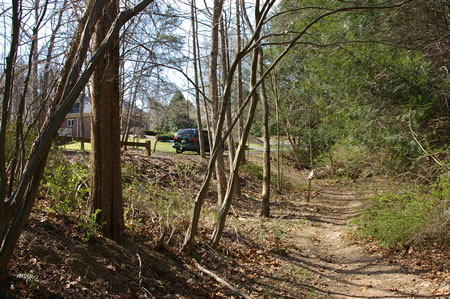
column 160, row 146
column 75, row 146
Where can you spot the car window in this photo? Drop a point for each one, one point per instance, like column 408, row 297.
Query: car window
column 185, row 133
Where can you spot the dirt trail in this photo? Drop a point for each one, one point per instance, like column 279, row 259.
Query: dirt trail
column 337, row 268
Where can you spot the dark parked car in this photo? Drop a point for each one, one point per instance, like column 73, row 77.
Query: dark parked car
column 187, row 140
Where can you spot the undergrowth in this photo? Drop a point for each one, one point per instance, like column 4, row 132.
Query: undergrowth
column 149, row 205
column 408, row 217
column 256, row 171
column 146, row 204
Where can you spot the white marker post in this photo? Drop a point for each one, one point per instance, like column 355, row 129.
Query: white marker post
column 310, row 178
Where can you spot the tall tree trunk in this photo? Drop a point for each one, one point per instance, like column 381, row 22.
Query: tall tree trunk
column 81, row 133
column 9, row 79
column 45, row 88
column 274, row 88
column 225, row 69
column 224, row 60
column 106, row 178
column 213, row 86
column 36, row 103
column 201, row 137
column 205, row 100
column 130, row 109
column 239, row 75
column 265, row 196
column 220, row 223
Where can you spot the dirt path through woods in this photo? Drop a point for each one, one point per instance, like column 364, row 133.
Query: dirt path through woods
column 336, row 267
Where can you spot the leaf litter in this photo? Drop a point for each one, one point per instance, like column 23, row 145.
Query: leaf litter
column 302, row 251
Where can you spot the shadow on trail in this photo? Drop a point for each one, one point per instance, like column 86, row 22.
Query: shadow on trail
column 306, row 262
column 317, row 211
column 337, row 272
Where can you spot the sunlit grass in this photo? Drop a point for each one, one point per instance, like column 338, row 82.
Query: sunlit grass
column 160, row 146
column 75, row 146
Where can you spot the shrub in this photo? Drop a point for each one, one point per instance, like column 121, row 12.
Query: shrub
column 150, row 133
column 252, row 169
column 349, row 160
column 67, row 188
column 166, row 137
column 161, row 206
column 407, row 217
column 66, row 184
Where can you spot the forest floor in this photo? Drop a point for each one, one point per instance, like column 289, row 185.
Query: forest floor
column 304, row 250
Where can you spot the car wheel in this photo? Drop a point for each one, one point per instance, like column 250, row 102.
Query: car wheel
column 178, row 151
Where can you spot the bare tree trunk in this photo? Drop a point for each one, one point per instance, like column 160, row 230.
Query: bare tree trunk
column 19, row 150
column 106, row 178
column 220, row 223
column 265, row 209
column 225, row 70
column 279, row 161
column 83, row 97
column 45, row 92
column 239, row 75
column 274, row 88
column 265, row 196
column 197, row 94
column 131, row 105
column 35, row 85
column 205, row 100
column 9, row 79
column 224, row 59
column 213, row 85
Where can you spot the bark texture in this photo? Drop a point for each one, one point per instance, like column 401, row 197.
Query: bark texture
column 197, row 93
column 265, row 196
column 214, row 97
column 106, row 178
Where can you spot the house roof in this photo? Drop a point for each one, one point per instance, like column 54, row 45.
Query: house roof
column 76, row 107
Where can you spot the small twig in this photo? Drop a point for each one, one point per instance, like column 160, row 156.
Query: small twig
column 237, row 235
column 148, row 292
column 218, row 279
column 140, row 268
column 234, row 211
column 414, row 135
column 171, row 235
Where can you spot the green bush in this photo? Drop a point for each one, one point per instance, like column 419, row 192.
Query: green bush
column 148, row 203
column 66, row 184
column 349, row 160
column 252, row 169
column 150, row 133
column 407, row 217
column 166, row 137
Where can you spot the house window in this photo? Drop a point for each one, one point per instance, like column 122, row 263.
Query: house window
column 70, row 122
